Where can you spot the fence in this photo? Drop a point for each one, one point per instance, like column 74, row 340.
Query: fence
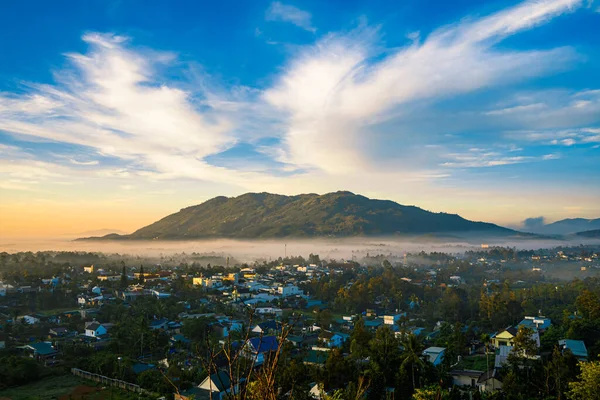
column 105, row 380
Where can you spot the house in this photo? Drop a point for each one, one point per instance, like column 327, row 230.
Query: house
column 465, row 377
column 289, row 290
column 139, row 368
column 162, row 323
column 257, row 348
column 111, row 278
column 505, row 337
column 208, row 283
column 159, row 295
column 435, row 355
column 577, row 347
column 268, row 310
column 241, row 293
column 373, row 324
column 536, row 323
column 174, row 327
column 331, row 339
column 219, row 385
column 96, row 329
column 31, row 319
column 219, row 329
column 43, row 351
column 58, row 332
column 393, row 319
column 490, row 381
column 502, row 354
column 267, row 327
column 317, row 392
column 316, row 357
column 179, row 338
column 89, row 269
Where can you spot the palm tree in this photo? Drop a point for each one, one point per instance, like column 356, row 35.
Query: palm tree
column 413, row 349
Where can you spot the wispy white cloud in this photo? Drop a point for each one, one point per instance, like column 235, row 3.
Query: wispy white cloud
column 288, row 13
column 552, row 156
column 87, row 163
column 336, row 96
column 517, row 109
column 562, row 137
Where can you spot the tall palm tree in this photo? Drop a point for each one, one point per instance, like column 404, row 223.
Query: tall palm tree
column 413, row 349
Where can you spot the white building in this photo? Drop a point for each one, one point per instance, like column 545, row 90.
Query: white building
column 31, row 320
column 95, row 329
column 289, row 290
column 393, row 319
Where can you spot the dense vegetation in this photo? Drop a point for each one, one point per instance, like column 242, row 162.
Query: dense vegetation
column 264, row 215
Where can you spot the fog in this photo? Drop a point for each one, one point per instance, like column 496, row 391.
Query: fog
column 251, row 250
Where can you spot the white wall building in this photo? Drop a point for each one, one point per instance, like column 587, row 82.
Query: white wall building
column 289, row 290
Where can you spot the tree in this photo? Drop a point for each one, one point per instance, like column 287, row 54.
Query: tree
column 314, row 259
column 588, row 385
column 142, row 279
column 485, row 339
column 155, row 381
column 385, row 352
column 588, row 303
column 123, row 278
column 411, row 357
column 359, row 339
column 434, row 392
column 558, row 372
column 524, row 344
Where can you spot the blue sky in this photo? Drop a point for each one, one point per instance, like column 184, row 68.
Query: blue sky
column 118, row 112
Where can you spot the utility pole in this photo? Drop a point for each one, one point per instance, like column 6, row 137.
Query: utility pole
column 285, row 246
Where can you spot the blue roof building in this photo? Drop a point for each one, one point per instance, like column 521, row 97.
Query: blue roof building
column 141, row 367
column 536, row 323
column 577, row 347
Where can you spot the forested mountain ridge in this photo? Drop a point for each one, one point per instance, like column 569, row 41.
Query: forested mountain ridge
column 339, row 214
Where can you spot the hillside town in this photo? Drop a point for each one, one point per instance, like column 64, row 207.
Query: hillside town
column 459, row 326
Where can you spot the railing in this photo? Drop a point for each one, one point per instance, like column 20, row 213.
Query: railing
column 105, row 380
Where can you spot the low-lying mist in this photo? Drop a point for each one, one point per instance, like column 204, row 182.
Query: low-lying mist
column 251, row 250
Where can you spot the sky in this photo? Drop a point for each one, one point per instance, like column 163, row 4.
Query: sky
column 115, row 113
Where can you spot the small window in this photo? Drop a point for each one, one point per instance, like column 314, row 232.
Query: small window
column 472, row 382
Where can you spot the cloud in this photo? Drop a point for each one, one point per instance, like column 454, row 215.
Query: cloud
column 551, row 157
column 532, row 223
column 340, row 92
column 287, row 13
column 87, row 163
column 339, row 111
column 113, row 100
column 560, row 137
column 517, row 109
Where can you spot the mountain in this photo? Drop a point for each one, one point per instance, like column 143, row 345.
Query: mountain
column 339, row 214
column 595, row 233
column 567, row 226
column 102, row 232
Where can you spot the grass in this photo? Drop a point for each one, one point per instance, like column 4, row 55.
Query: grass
column 57, row 387
column 48, row 388
column 477, row 362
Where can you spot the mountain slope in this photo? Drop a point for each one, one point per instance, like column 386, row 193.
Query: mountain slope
column 595, row 233
column 264, row 215
column 568, row 226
